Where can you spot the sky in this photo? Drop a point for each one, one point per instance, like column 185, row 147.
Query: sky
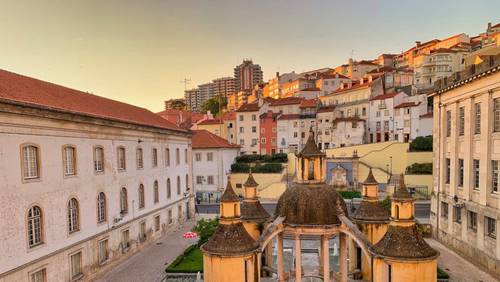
column 139, row 51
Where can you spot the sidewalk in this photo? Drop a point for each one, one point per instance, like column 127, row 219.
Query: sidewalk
column 459, row 269
column 149, row 264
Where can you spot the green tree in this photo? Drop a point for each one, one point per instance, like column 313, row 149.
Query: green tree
column 213, row 106
column 205, row 229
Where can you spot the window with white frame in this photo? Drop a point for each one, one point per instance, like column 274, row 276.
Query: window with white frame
column 39, row 276
column 476, row 164
column 31, row 162
column 210, row 179
column 156, row 192
column 125, row 239
column 495, row 173
column 490, row 226
column 101, row 207
column 448, row 171
column 123, row 201
column 69, row 160
column 157, row 223
column 141, row 196
column 154, row 158
column 210, row 157
column 121, row 158
column 199, row 179
column 496, row 115
column 472, row 220
column 139, row 158
column 76, row 265
column 448, row 123
column 477, row 118
column 461, row 121
column 98, row 159
column 461, row 172
column 444, row 209
column 197, row 157
column 73, row 214
column 35, row 226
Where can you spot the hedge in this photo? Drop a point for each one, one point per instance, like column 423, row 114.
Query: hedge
column 441, row 274
column 419, row 168
column 276, row 158
column 350, row 194
column 191, row 261
column 421, row 144
column 258, row 168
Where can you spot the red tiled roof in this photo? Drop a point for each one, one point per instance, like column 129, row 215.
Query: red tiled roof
column 382, row 69
column 354, row 86
column 384, row 96
column 289, row 116
column 211, row 121
column 365, row 62
column 311, row 89
column 311, row 103
column 427, row 115
column 332, row 76
column 285, row 101
column 180, row 116
column 229, row 116
column 443, row 50
column 327, row 109
column 20, row 89
column 406, row 105
column 203, row 139
column 249, row 108
column 347, row 119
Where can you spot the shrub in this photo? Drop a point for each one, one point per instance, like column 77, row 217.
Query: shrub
column 191, row 261
column 442, row 274
column 421, row 144
column 416, row 168
column 386, row 203
column 248, row 158
column 258, row 168
column 240, row 168
column 350, row 194
column 205, row 228
column 276, row 158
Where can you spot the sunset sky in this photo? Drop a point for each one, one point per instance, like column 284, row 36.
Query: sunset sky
column 139, row 51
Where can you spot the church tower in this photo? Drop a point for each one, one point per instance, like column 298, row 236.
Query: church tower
column 231, row 254
column 253, row 214
column 311, row 162
column 372, row 220
column 402, row 254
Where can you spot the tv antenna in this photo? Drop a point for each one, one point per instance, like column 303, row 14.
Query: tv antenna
column 186, row 81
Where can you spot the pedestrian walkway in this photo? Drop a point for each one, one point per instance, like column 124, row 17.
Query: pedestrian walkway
column 459, row 269
column 149, row 264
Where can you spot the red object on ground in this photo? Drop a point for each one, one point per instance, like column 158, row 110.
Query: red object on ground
column 190, row 235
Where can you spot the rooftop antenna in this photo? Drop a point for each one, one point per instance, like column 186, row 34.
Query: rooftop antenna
column 186, row 81
column 352, row 54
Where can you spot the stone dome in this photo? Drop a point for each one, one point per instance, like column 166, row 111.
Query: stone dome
column 311, row 204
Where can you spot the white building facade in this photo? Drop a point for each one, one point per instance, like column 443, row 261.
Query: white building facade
column 84, row 185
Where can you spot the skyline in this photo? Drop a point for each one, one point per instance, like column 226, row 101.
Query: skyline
column 139, row 52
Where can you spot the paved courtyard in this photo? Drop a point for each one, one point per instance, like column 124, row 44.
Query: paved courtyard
column 459, row 269
column 149, row 265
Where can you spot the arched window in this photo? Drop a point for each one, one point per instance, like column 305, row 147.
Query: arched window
column 397, row 211
column 73, row 224
column 121, row 157
column 98, row 159
column 141, row 196
column 69, row 160
column 177, row 156
column 169, row 189
column 178, row 185
column 31, row 162
column 35, row 226
column 167, row 157
column 187, row 182
column 101, row 207
column 123, row 201
column 156, row 192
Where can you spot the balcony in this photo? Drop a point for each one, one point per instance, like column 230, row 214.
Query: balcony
column 382, row 106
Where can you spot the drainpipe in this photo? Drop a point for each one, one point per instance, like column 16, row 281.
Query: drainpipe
column 439, row 170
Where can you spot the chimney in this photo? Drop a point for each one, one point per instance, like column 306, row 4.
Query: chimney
column 489, row 27
column 277, row 74
column 350, row 61
column 370, row 78
column 418, row 43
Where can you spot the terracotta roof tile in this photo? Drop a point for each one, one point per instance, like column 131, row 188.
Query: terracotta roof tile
column 285, row 101
column 211, row 121
column 253, row 107
column 406, row 105
column 289, row 116
column 204, row 139
column 19, row 89
column 427, row 115
column 229, row 116
column 229, row 195
column 311, row 103
column 384, row 96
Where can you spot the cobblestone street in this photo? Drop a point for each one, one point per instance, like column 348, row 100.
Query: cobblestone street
column 459, row 269
column 149, row 265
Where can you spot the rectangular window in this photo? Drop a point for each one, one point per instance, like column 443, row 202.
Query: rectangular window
column 406, row 123
column 121, row 158
column 448, row 123
column 262, row 140
column 477, row 118
column 157, row 223
column 496, row 115
column 98, row 159
column 76, row 265
column 103, row 251
column 142, row 230
column 254, row 117
column 69, row 157
column 241, row 117
column 472, row 221
column 155, row 157
column 179, row 212
column 495, row 172
column 461, row 121
column 444, row 209
column 457, row 214
column 242, row 142
column 461, row 172
column 254, row 129
column 39, row 276
column 476, row 174
column 448, row 171
column 167, row 157
column 210, row 157
column 170, row 219
column 125, row 239
column 185, row 156
column 491, row 227
column 177, row 156
column 139, row 158
column 30, row 162
column 242, row 129
column 199, row 179
column 210, row 179
column 197, row 157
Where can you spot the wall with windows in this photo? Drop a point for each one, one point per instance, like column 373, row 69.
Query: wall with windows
column 61, row 193
column 247, row 131
column 465, row 208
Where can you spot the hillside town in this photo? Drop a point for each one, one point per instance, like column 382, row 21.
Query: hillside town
column 379, row 169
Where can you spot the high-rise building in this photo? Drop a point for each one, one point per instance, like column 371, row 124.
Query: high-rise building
column 247, row 75
column 178, row 104
column 193, row 99
column 224, row 86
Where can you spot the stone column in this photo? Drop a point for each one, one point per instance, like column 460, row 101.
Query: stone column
column 298, row 259
column 326, row 258
column 343, row 257
column 281, row 273
column 305, row 169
